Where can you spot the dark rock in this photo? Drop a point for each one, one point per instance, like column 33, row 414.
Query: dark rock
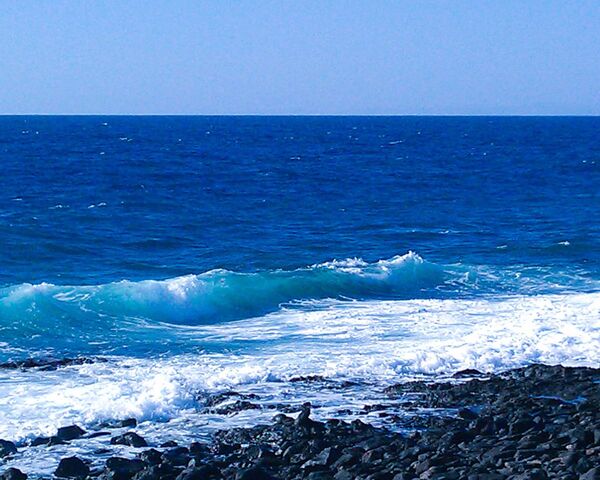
column 98, row 434
column 130, row 438
column 308, row 379
column 219, row 398
column 303, row 418
column 467, row 414
column 37, row 441
column 202, row 472
column 178, row 456
column 7, row 448
column 48, row 364
column 70, row 433
column 169, row 444
column 319, row 476
column 13, row 474
column 150, row 473
column 253, row 473
column 151, row 456
column 124, row 468
column 592, row 474
column 468, row 372
column 236, row 407
column 521, row 426
column 129, row 423
column 72, row 467
column 198, row 449
column 55, row 441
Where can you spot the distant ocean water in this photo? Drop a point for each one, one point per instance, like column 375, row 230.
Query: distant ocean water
column 199, row 254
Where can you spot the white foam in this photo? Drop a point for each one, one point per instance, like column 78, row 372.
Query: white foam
column 377, row 342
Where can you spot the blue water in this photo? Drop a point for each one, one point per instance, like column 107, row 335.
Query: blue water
column 242, row 250
column 180, row 195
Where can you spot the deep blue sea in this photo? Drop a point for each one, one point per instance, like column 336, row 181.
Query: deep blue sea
column 198, row 254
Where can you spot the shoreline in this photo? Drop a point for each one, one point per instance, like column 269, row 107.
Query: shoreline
column 535, row 422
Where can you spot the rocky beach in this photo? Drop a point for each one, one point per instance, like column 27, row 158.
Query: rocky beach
column 533, row 423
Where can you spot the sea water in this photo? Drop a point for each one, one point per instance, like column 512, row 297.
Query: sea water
column 195, row 255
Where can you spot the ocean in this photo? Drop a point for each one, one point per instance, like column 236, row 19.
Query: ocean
column 188, row 256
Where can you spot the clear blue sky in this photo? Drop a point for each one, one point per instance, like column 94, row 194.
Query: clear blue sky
column 300, row 57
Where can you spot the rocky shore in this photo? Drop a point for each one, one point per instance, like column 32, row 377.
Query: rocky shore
column 539, row 422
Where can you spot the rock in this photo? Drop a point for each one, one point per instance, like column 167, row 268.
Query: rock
column 7, row 448
column 72, row 467
column 319, row 476
column 373, row 455
column 592, row 474
column 55, row 441
column 253, row 473
column 129, row 423
column 48, row 364
column 97, row 434
column 236, row 407
column 344, row 475
column 521, row 426
column 47, row 441
column 151, row 456
column 200, row 473
column 70, row 433
column 324, row 459
column 149, row 473
column 178, row 456
column 169, row 444
column 468, row 372
column 37, row 441
column 13, row 474
column 468, row 414
column 124, row 468
column 130, row 438
column 303, row 419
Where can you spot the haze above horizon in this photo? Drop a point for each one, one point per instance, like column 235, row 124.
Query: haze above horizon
column 273, row 58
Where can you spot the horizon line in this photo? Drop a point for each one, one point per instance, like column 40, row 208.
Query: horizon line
column 299, row 115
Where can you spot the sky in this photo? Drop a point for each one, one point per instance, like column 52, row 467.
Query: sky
column 376, row 57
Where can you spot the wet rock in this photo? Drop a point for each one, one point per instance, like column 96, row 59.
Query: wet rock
column 98, row 434
column 47, row 441
column 130, row 438
column 151, row 456
column 55, row 441
column 308, row 379
column 236, row 407
column 468, row 372
column 198, row 449
column 129, row 423
column 13, row 474
column 525, row 424
column 200, row 473
column 468, row 414
column 178, row 456
column 219, row 398
column 124, row 468
column 72, row 467
column 169, row 444
column 7, row 448
column 48, row 364
column 37, row 441
column 253, row 473
column 70, row 433
column 150, row 473
column 592, row 474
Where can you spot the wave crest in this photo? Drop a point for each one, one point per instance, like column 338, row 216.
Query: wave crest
column 222, row 295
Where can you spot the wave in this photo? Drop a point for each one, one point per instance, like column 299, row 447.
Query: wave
column 221, row 295
column 155, row 316
column 372, row 343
